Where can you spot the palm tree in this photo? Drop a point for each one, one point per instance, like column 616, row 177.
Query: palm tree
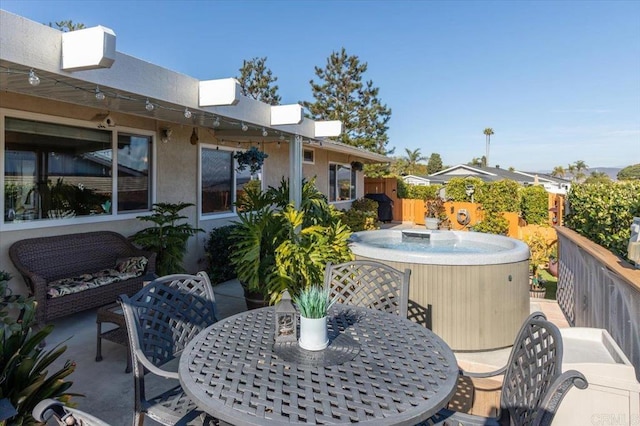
column 558, row 171
column 571, row 169
column 412, row 159
column 581, row 167
column 487, row 133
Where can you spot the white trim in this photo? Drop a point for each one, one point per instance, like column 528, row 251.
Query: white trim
column 79, row 220
column 225, row 214
column 313, row 151
column 463, row 166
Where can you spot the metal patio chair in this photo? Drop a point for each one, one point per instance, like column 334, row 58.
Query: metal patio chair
column 161, row 319
column 53, row 412
column 369, row 284
column 533, row 386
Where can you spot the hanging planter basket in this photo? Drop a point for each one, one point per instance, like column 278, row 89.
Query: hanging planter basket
column 252, row 158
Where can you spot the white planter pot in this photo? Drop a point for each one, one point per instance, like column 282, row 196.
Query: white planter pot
column 313, row 333
column 431, row 222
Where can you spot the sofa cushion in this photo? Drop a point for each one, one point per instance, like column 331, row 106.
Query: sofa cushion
column 83, row 282
column 133, row 265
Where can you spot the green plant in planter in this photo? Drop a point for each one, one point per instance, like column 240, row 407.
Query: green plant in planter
column 218, row 250
column 168, row 238
column 313, row 302
column 302, row 257
column 266, row 222
column 540, row 251
column 24, row 375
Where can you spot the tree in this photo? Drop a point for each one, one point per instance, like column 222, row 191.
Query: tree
column 257, row 81
column 434, row 165
column 68, row 25
column 630, row 173
column 487, row 133
column 412, row 159
column 341, row 94
column 580, row 167
column 597, row 177
column 558, row 171
column 476, row 162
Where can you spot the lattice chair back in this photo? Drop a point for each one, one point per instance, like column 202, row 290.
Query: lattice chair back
column 533, row 385
column 161, row 319
column 369, row 284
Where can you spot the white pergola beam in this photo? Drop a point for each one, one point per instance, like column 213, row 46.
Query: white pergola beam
column 324, row 129
column 224, row 91
column 286, row 114
column 88, row 49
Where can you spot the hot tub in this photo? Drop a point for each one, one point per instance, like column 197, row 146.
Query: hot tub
column 470, row 288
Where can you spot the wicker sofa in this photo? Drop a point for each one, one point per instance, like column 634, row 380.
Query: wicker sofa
column 74, row 272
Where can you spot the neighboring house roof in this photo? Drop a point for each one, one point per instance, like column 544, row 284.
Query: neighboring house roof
column 130, row 84
column 492, row 174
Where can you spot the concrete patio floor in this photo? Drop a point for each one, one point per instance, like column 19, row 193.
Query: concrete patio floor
column 108, row 390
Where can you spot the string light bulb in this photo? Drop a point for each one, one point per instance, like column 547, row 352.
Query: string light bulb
column 187, row 113
column 216, row 122
column 264, row 132
column 244, row 127
column 281, row 137
column 149, row 106
column 34, row 80
column 99, row 95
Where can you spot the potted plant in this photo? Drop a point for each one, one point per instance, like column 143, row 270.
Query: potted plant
column 276, row 247
column 434, row 212
column 252, row 158
column 313, row 303
column 540, row 250
column 167, row 238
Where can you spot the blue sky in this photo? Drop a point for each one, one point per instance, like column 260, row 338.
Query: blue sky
column 558, row 81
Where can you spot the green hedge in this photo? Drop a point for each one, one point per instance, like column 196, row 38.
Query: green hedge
column 417, row 192
column 604, row 212
column 362, row 216
column 535, row 205
column 456, row 189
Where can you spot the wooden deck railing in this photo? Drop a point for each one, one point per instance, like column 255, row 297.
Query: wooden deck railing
column 598, row 289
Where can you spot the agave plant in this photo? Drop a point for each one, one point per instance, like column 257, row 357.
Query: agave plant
column 24, row 363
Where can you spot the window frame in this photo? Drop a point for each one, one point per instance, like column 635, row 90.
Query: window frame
column 313, row 155
column 79, row 220
column 354, row 183
column 234, row 184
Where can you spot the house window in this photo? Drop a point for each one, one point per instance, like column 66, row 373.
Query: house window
column 54, row 171
column 342, row 183
column 220, row 182
column 308, row 156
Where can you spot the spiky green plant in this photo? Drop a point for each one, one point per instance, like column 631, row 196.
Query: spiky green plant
column 313, row 302
column 168, row 238
column 24, row 364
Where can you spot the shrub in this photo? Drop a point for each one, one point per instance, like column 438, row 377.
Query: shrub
column 456, row 189
column 501, row 196
column 365, row 205
column 359, row 220
column 535, row 205
column 604, row 212
column 417, row 192
column 493, row 223
column 218, row 249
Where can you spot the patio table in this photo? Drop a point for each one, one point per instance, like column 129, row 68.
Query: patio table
column 379, row 369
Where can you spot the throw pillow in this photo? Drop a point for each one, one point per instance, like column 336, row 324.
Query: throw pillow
column 132, row 265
